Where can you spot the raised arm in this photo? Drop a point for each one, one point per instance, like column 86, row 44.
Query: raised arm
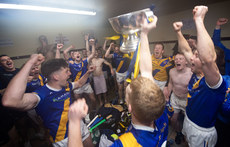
column 58, row 51
column 91, row 43
column 183, row 45
column 66, row 51
column 145, row 55
column 107, row 53
column 216, row 34
column 104, row 45
column 205, row 47
column 77, row 111
column 14, row 95
column 84, row 78
column 87, row 44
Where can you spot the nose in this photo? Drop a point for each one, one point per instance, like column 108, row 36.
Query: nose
column 192, row 58
column 69, row 73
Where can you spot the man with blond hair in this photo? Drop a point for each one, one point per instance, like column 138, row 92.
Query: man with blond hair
column 145, row 102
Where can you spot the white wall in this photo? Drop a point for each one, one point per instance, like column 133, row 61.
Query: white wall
column 24, row 28
column 164, row 30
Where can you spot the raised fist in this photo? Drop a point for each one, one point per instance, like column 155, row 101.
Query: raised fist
column 59, row 46
column 86, row 37
column 199, row 12
column 177, row 26
column 221, row 21
column 78, row 110
column 92, row 42
column 146, row 27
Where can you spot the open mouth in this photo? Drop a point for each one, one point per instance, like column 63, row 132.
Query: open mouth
column 178, row 65
column 9, row 64
column 156, row 53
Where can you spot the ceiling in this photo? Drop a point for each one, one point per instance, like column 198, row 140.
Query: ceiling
column 111, row 8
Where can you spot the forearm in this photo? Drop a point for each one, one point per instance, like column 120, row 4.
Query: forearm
column 170, row 86
column 183, row 46
column 205, row 45
column 107, row 53
column 74, row 137
column 145, row 57
column 66, row 51
column 58, row 54
column 104, row 45
column 92, row 54
column 87, row 47
column 82, row 80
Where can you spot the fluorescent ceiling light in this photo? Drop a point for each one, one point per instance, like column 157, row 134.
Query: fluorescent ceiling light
column 45, row 9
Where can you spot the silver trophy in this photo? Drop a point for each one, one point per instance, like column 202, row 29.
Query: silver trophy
column 129, row 26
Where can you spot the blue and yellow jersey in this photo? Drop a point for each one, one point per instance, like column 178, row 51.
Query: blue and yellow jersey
column 35, row 84
column 159, row 67
column 203, row 102
column 78, row 70
column 53, row 109
column 122, row 62
column 146, row 138
column 70, row 59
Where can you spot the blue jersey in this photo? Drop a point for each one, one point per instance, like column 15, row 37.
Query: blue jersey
column 35, row 84
column 78, row 70
column 122, row 62
column 146, row 138
column 224, row 113
column 203, row 102
column 217, row 42
column 53, row 109
column 70, row 59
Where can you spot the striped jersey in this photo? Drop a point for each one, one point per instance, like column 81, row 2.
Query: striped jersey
column 122, row 62
column 159, row 67
column 53, row 109
column 78, row 70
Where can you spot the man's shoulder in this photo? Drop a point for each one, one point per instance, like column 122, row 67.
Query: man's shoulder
column 42, row 90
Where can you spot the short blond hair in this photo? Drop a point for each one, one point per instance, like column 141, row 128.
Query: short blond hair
column 146, row 99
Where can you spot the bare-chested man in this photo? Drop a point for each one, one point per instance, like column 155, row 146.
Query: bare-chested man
column 178, row 82
column 98, row 77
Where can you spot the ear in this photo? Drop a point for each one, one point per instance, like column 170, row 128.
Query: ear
column 55, row 77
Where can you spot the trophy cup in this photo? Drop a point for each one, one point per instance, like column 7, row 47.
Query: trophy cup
column 129, row 26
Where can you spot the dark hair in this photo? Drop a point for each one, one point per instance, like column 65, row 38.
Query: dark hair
column 113, row 41
column 193, row 37
column 160, row 44
column 188, row 36
column 51, row 66
column 3, row 55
